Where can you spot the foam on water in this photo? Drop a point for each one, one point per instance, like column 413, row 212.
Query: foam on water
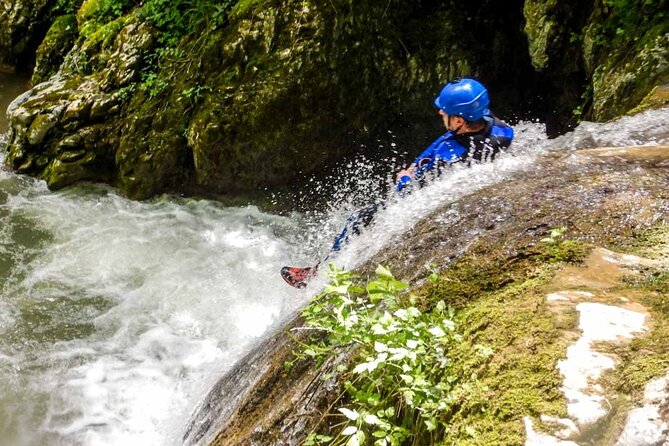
column 175, row 291
column 117, row 316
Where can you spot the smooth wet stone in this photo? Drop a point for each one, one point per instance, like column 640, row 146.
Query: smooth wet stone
column 103, row 106
column 40, row 127
column 77, row 110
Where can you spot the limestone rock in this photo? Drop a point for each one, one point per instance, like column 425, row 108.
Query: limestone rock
column 20, row 25
column 541, row 27
column 40, row 127
column 621, row 83
column 54, row 130
column 54, row 47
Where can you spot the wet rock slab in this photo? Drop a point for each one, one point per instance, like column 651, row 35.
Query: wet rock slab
column 601, row 196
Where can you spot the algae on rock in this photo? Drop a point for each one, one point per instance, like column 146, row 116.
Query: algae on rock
column 494, row 267
column 53, row 49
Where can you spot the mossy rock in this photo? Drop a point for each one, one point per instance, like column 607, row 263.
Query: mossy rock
column 657, row 98
column 541, row 27
column 22, row 27
column 54, row 47
column 628, row 48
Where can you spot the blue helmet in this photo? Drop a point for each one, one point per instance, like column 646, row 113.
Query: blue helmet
column 464, row 97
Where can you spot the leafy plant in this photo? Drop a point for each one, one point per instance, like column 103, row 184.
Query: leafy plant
column 153, row 84
column 555, row 235
column 179, row 18
column 67, row 6
column 194, row 94
column 556, row 248
column 400, row 387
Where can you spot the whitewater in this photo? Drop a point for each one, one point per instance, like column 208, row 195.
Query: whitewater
column 117, row 316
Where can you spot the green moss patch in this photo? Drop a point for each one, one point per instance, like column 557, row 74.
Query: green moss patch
column 646, row 357
column 504, row 312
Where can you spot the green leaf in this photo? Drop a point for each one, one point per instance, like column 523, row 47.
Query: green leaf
column 371, row 419
column 450, row 325
column 408, row 397
column 310, row 352
column 384, row 272
column 349, row 430
column 402, row 314
column 437, row 332
column 350, row 414
column 431, row 424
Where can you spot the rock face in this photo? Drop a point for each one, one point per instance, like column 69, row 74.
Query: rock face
column 279, row 88
column 261, row 403
column 22, row 24
column 55, row 46
column 615, row 51
column 64, row 130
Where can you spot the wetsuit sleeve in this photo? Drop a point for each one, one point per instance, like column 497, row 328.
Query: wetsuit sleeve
column 424, row 159
column 444, row 149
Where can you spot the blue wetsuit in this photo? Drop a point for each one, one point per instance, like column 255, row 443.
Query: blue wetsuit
column 479, row 146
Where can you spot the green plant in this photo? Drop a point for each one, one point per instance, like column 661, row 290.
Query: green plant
column 557, row 249
column 67, row 6
column 153, row 84
column 556, row 235
column 399, row 388
column 194, row 94
column 179, row 18
column 126, row 93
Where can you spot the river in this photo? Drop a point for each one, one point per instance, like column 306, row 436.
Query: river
column 117, row 316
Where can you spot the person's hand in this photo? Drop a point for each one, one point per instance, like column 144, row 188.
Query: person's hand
column 408, row 172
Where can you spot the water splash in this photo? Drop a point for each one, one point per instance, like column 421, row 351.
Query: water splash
column 117, row 316
column 646, row 128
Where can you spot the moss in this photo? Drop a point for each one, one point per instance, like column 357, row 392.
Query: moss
column 657, row 98
column 541, row 28
column 646, row 357
column 474, row 275
column 520, row 378
column 629, row 49
column 103, row 35
column 243, row 7
column 57, row 42
column 503, row 310
column 87, row 10
column 652, row 244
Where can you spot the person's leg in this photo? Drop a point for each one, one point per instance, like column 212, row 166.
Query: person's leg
column 360, row 217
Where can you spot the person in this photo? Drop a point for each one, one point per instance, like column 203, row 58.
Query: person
column 473, row 135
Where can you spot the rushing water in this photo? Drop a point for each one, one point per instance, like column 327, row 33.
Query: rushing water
column 117, row 316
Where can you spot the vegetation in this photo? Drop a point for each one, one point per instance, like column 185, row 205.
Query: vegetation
column 426, row 373
column 400, row 388
column 626, row 17
column 646, row 357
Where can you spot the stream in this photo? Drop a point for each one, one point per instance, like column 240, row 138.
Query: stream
column 117, row 316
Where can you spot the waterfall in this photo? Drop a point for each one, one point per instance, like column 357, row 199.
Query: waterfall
column 116, row 316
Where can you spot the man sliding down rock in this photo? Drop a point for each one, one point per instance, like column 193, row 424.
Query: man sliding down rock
column 474, row 135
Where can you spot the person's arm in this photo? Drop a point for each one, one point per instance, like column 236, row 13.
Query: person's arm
column 424, row 161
